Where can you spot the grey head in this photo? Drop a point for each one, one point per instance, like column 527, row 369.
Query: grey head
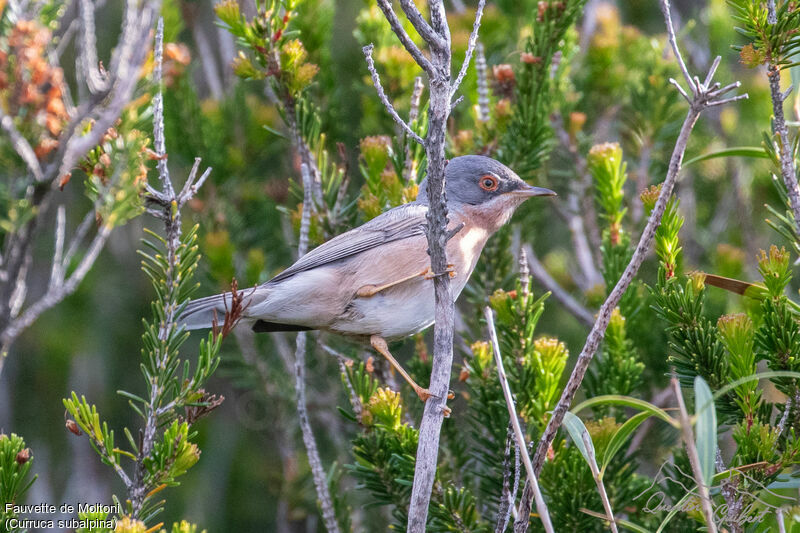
column 478, row 180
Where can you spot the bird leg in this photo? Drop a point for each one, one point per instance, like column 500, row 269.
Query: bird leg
column 367, row 291
column 382, row 348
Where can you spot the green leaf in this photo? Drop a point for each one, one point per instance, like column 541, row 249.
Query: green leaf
column 736, row 151
column 705, row 429
column 614, row 399
column 621, row 436
column 576, row 430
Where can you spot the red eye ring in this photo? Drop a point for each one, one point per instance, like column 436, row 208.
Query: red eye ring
column 489, row 183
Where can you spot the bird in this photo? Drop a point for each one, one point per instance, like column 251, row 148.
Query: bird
column 374, row 284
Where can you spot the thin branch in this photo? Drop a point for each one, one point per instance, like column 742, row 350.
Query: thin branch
column 21, row 146
column 598, row 479
column 702, row 98
column 424, row 29
column 57, row 270
column 541, row 507
column 95, row 80
column 694, row 458
column 665, row 10
column 314, row 460
column 483, row 84
column 409, row 168
column 506, row 503
column 541, row 275
column 376, row 81
column 408, row 43
column 473, row 39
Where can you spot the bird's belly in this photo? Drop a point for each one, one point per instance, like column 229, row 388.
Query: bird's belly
column 394, row 313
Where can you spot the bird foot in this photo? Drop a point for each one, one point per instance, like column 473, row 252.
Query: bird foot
column 449, row 269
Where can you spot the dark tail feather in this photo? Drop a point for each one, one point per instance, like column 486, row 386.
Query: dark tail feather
column 729, row 284
column 262, row 326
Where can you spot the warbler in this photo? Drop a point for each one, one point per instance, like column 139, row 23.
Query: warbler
column 374, row 283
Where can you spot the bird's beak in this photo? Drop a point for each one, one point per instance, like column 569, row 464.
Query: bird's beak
column 529, row 190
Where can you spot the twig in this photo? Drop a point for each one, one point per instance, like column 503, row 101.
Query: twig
column 376, row 81
column 408, row 43
column 788, row 170
column 541, row 275
column 694, row 458
column 95, row 80
column 506, row 503
column 314, row 460
column 541, row 507
column 21, row 146
column 473, row 39
column 598, row 479
column 703, row 97
column 483, row 83
column 409, row 168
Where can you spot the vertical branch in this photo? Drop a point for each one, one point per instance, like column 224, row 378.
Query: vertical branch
column 483, row 83
column 694, row 458
column 314, row 460
column 437, row 36
column 541, row 507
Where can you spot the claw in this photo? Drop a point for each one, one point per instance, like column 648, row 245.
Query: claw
column 450, row 269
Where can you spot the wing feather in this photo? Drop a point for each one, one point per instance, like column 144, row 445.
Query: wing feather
column 399, row 223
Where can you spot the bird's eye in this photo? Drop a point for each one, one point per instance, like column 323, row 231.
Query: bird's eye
column 489, row 183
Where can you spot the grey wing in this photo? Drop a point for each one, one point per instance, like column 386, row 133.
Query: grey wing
column 399, row 223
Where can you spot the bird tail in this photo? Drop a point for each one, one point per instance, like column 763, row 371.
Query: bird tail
column 201, row 313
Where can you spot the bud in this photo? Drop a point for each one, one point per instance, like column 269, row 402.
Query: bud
column 370, row 365
column 576, row 122
column 73, row 428
column 243, row 67
column 774, row 267
column 187, row 458
column 551, row 349
column 503, row 73
column 23, row 456
column 463, row 375
column 130, row 525
column 530, row 59
column 599, row 153
column 228, row 12
column 698, row 281
column 649, row 197
column 737, row 333
column 385, row 407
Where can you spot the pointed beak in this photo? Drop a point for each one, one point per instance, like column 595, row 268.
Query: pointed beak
column 529, row 190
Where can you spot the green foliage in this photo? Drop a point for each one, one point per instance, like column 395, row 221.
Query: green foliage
column 15, row 465
column 773, row 43
column 526, row 142
column 166, row 451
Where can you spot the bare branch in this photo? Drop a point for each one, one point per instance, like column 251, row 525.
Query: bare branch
column 598, row 479
column 95, row 80
column 665, row 10
column 158, row 115
column 541, row 275
column 473, row 39
column 694, row 458
column 57, row 270
column 483, row 83
column 376, row 81
column 408, row 43
column 21, row 146
column 314, row 460
column 703, row 98
column 409, row 169
column 541, row 507
column 421, row 25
